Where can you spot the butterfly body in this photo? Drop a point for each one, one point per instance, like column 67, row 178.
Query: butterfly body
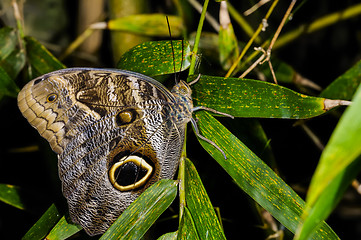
column 115, row 132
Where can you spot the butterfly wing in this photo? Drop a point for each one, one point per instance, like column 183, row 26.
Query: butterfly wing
column 114, row 133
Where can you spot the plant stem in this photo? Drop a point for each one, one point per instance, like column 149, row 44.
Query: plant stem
column 198, row 37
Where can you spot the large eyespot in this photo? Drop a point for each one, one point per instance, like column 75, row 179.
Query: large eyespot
column 51, row 97
column 126, row 116
column 131, row 172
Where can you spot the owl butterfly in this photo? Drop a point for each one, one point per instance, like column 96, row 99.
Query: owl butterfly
column 115, row 133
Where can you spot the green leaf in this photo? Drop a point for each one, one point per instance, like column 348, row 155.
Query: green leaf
column 40, row 58
column 255, row 177
column 200, row 207
column 169, row 236
column 339, row 164
column 156, row 57
column 345, row 86
column 8, row 41
column 7, row 85
column 14, row 63
column 228, row 45
column 63, row 229
column 10, row 194
column 44, row 224
column 148, row 24
column 253, row 98
column 187, row 228
column 134, row 222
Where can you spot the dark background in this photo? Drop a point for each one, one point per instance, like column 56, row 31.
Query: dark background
column 321, row 56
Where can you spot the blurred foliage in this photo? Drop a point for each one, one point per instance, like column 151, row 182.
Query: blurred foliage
column 271, row 160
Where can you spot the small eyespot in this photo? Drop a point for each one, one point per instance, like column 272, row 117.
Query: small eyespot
column 51, row 97
column 126, row 116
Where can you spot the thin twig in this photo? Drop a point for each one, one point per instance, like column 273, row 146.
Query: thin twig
column 248, row 45
column 198, row 37
column 255, row 7
column 267, row 54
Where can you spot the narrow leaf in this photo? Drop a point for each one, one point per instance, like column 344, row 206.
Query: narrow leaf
column 156, row 58
column 10, row 194
column 199, row 205
column 8, row 41
column 187, row 228
column 14, row 63
column 40, row 58
column 328, row 199
column 134, row 222
column 147, row 24
column 345, row 86
column 334, row 172
column 44, row 224
column 63, row 230
column 253, row 98
column 169, row 236
column 7, row 85
column 255, row 177
column 228, row 45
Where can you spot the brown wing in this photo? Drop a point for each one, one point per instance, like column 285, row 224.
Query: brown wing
column 114, row 133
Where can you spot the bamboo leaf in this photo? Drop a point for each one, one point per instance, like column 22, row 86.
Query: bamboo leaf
column 187, row 228
column 169, row 236
column 200, row 207
column 44, row 224
column 147, row 24
column 339, row 163
column 10, row 194
column 156, row 58
column 255, row 177
column 14, row 63
column 345, row 86
column 7, row 85
column 63, row 230
column 228, row 45
column 134, row 222
column 40, row 58
column 253, row 98
column 8, row 41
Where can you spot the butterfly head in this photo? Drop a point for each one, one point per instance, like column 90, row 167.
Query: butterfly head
column 182, row 89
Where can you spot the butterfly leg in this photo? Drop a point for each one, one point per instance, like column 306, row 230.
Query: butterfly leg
column 194, row 123
column 211, row 110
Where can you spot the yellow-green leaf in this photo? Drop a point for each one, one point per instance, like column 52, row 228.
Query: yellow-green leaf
column 41, row 228
column 147, row 24
column 63, row 230
column 199, row 206
column 10, row 194
column 156, row 57
column 334, row 171
column 134, row 222
column 40, row 58
column 255, row 177
column 187, row 228
column 253, row 98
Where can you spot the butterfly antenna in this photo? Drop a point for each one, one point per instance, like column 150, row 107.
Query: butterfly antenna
column 171, row 44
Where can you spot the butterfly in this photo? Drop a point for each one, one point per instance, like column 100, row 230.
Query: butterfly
column 115, row 132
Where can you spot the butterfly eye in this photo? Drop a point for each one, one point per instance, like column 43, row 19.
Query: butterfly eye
column 51, row 97
column 130, row 173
